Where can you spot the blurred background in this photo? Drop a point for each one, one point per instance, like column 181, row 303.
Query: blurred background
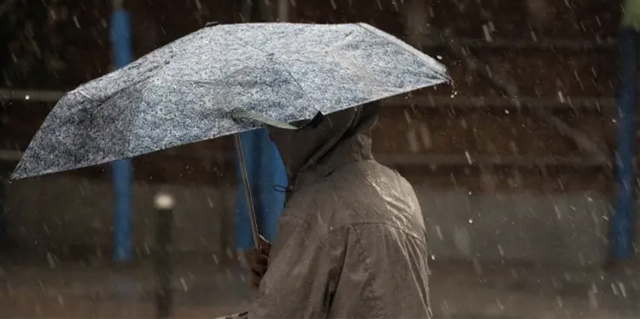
column 514, row 163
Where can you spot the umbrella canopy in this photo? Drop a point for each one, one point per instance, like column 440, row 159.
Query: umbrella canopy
column 198, row 87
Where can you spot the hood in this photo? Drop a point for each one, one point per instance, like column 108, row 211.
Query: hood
column 324, row 144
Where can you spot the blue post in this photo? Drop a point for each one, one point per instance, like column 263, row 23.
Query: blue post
column 121, row 170
column 265, row 170
column 627, row 103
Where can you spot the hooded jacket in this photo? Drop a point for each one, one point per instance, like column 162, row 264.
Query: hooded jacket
column 351, row 241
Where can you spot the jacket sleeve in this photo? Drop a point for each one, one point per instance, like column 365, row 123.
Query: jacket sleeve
column 302, row 275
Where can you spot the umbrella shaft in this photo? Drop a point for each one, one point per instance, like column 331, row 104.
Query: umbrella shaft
column 247, row 192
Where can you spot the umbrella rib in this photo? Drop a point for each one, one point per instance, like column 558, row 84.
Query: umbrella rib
column 241, row 114
column 304, row 93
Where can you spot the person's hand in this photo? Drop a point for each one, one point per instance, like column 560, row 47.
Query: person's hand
column 257, row 262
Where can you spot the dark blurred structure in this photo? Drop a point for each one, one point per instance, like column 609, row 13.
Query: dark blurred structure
column 513, row 162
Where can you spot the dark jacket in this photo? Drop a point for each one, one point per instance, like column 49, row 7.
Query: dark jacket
column 351, row 241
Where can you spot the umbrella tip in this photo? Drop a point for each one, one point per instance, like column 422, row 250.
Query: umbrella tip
column 163, row 201
column 16, row 175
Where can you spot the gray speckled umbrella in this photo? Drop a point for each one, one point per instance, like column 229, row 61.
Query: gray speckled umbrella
column 195, row 88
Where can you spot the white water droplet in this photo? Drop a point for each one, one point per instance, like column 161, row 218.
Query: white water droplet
column 184, row 284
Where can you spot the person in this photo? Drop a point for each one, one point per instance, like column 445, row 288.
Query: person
column 351, row 241
column 264, row 170
column 627, row 104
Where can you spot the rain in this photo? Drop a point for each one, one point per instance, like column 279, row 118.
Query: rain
column 524, row 164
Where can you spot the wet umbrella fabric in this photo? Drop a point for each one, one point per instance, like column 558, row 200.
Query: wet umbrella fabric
column 198, row 87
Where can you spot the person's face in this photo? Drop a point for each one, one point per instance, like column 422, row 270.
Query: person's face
column 295, row 146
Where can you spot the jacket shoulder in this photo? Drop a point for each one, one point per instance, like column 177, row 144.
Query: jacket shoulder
column 363, row 193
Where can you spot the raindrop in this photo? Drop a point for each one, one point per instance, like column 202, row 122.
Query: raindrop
column 593, row 300
column 9, row 289
column 500, row 305
column 75, row 21
column 623, row 291
column 446, row 311
column 395, row 5
column 470, row 221
column 51, row 260
column 412, row 140
column 614, row 289
column 27, row 97
column 425, row 135
column 210, row 202
column 407, row 116
column 184, row 284
column 487, row 33
column 468, row 156
column 577, row 77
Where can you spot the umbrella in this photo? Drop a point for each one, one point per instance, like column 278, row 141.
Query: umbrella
column 207, row 84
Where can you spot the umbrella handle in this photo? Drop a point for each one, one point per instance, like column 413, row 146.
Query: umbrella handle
column 247, row 193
